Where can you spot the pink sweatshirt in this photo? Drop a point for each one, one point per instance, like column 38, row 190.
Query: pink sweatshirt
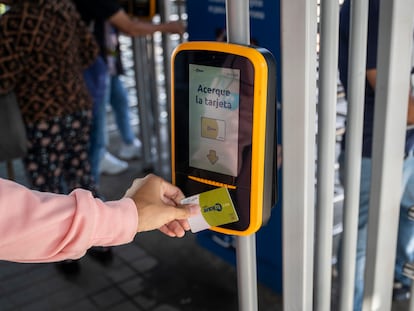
column 44, row 227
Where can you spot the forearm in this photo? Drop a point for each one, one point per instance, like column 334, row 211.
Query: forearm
column 129, row 26
column 44, row 227
column 134, row 27
column 140, row 28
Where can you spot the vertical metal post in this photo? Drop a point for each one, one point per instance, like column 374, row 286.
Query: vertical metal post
column 238, row 31
column 392, row 87
column 155, row 104
column 238, row 21
column 355, row 120
column 165, row 13
column 328, row 71
column 298, row 26
column 140, row 67
column 246, row 272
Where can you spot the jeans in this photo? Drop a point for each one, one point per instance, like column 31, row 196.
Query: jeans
column 96, row 78
column 405, row 241
column 118, row 99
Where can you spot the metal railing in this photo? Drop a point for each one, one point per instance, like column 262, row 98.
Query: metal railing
column 304, row 287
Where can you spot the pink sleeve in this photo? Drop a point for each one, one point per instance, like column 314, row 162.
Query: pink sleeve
column 44, row 227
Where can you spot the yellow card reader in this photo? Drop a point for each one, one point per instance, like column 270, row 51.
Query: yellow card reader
column 223, row 127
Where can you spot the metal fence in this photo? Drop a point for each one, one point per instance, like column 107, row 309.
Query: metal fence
column 309, row 79
column 307, row 215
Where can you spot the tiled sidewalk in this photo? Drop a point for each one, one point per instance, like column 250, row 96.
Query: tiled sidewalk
column 118, row 286
column 190, row 279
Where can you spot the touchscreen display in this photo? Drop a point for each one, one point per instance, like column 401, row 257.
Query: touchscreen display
column 214, row 95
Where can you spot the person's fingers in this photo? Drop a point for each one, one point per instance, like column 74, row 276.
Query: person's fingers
column 171, row 193
column 168, row 193
column 164, row 229
column 184, row 223
column 175, row 200
column 176, row 228
column 158, row 206
column 152, row 217
column 173, row 229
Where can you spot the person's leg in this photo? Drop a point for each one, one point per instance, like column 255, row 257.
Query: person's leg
column 44, row 159
column 131, row 146
column 405, row 241
column 119, row 102
column 77, row 166
column 364, row 194
column 96, row 78
column 108, row 163
column 97, row 142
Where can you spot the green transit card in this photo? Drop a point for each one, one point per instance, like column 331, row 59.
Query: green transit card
column 216, row 208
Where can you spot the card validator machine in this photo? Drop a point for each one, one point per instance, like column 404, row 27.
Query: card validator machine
column 223, row 127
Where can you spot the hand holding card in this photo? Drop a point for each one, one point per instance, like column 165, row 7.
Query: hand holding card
column 216, row 208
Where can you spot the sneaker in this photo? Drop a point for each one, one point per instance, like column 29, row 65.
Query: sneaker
column 130, row 151
column 400, row 292
column 111, row 165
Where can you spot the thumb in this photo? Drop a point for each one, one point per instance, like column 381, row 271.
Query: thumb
column 186, row 211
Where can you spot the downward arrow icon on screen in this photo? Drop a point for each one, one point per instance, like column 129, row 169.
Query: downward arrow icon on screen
column 212, row 157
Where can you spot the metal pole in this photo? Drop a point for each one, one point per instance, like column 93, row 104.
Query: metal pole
column 392, row 88
column 246, row 272
column 328, row 64
column 155, row 104
column 355, row 119
column 298, row 28
column 238, row 31
column 164, row 7
column 238, row 21
column 140, row 66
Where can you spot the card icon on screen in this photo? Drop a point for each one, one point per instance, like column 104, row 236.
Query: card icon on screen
column 213, row 128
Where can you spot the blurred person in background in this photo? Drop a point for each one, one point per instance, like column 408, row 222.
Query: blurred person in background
column 117, row 96
column 96, row 14
column 45, row 46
